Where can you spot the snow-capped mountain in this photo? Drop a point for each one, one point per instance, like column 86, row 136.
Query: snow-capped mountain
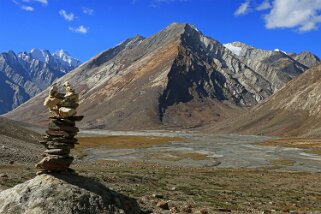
column 25, row 74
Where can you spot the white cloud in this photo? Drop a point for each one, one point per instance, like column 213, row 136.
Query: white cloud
column 27, row 8
column 243, row 9
column 44, row 2
column 23, row 7
column 265, row 5
column 81, row 29
column 88, row 11
column 303, row 15
column 67, row 16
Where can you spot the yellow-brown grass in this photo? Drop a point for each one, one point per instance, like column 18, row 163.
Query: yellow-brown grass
column 301, row 143
column 125, row 142
column 177, row 156
column 312, row 145
column 283, row 162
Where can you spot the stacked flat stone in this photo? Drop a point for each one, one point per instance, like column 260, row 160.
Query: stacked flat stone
column 60, row 136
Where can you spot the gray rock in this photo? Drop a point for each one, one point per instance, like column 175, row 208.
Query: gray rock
column 64, row 193
column 3, row 175
column 306, row 58
column 277, row 67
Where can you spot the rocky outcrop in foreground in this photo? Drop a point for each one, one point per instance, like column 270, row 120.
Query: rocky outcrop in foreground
column 62, row 193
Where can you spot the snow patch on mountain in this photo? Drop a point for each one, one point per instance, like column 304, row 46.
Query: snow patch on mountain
column 278, row 50
column 234, row 49
column 65, row 57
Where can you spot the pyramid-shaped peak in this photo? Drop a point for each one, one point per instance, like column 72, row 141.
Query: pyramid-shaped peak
column 186, row 26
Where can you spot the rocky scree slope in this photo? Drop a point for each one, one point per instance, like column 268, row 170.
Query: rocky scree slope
column 275, row 66
column 306, row 58
column 26, row 74
column 175, row 78
column 292, row 111
column 17, row 143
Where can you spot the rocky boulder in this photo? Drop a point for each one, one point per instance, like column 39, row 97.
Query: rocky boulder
column 64, row 193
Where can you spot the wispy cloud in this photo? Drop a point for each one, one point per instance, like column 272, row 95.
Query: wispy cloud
column 303, row 15
column 27, row 8
column 243, row 8
column 88, row 11
column 23, row 7
column 67, row 16
column 44, row 2
column 265, row 5
column 81, row 29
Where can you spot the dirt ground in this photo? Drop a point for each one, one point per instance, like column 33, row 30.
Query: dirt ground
column 255, row 174
column 195, row 190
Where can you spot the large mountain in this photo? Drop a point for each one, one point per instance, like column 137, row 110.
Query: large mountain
column 276, row 66
column 25, row 74
column 292, row 111
column 175, row 78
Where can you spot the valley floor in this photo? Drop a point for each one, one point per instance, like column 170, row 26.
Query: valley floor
column 202, row 150
column 195, row 172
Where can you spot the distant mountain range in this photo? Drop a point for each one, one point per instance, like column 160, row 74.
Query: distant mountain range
column 25, row 74
column 177, row 78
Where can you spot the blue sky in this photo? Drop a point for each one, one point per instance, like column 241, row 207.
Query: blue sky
column 86, row 27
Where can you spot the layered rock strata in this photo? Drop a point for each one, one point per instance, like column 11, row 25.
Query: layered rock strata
column 60, row 136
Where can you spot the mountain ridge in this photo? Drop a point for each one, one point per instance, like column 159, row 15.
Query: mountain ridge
column 175, row 78
column 26, row 74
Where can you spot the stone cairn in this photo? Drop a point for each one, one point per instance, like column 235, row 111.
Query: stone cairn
column 60, row 136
